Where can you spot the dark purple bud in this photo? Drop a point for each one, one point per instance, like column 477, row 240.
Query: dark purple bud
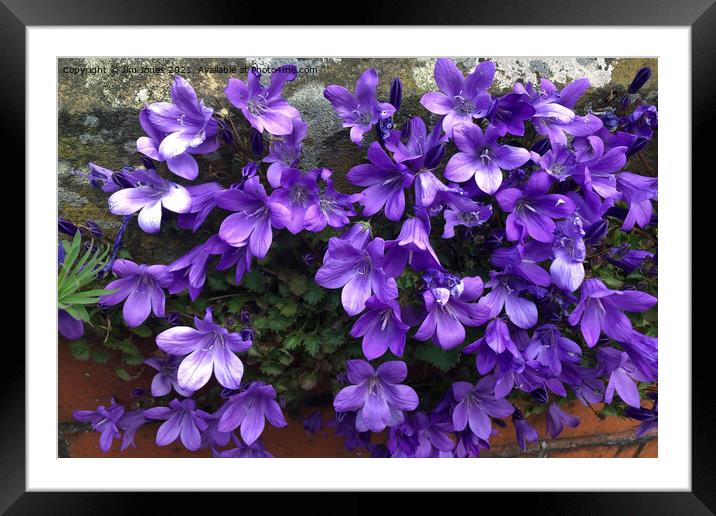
column 94, row 229
column 66, row 227
column 60, row 253
column 247, row 334
column 434, row 156
column 624, row 102
column 640, row 79
column 396, row 93
column 137, row 393
column 540, row 146
column 313, row 423
column 147, row 163
column 609, row 119
column 245, row 317
column 596, row 232
column 257, row 143
column 308, row 259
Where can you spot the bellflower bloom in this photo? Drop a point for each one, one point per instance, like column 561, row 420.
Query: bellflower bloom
column 209, row 347
column 263, row 107
column 551, row 349
column 531, row 211
column 523, row 430
column 249, row 408
column 509, row 114
column 506, row 289
column 332, row 209
column 142, row 288
column 642, row 121
column 178, row 129
column 381, row 328
column 243, row 451
column 649, row 417
column 166, row 378
column 623, row 376
column 498, row 339
column 557, row 419
column 181, row 419
column 230, row 256
column 412, row 246
column 359, row 272
column 202, row 203
column 108, row 180
column 190, row 272
column 567, row 268
column 597, row 164
column 69, row 327
column 474, row 216
column 460, row 98
column 150, row 194
column 377, row 395
column 560, row 163
column 255, row 214
column 386, row 182
column 298, row 192
column 362, row 110
column 450, row 306
column 601, row 310
column 129, row 423
column 637, row 191
column 476, row 404
column 627, row 259
column 104, row 420
column 483, row 158
column 285, row 152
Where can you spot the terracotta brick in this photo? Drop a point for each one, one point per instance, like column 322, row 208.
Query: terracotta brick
column 650, row 449
column 585, row 452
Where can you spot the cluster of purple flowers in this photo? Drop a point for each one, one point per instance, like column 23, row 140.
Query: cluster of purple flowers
column 550, row 201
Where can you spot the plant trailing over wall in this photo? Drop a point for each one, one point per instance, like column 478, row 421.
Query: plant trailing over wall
column 494, row 259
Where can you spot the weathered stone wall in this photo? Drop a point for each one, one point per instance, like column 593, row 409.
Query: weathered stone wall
column 98, row 116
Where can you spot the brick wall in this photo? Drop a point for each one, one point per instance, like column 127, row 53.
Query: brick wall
column 84, row 385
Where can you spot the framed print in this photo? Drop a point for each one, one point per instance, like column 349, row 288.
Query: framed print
column 368, row 254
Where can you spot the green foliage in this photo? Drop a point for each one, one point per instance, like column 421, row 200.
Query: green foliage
column 438, row 357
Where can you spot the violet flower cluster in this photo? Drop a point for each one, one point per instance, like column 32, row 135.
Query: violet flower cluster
column 539, row 180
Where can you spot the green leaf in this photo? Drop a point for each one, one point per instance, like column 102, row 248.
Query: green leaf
column 122, row 374
column 284, row 356
column 438, row 357
column 142, row 331
column 298, row 285
column 314, row 294
column 293, row 341
column 132, row 359
column 287, row 307
column 253, row 281
column 236, row 303
column 312, row 344
column 80, row 349
column 100, row 355
column 271, row 368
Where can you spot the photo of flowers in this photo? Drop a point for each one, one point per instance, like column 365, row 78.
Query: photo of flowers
column 434, row 257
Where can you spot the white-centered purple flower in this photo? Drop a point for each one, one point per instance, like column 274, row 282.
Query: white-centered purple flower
column 450, row 306
column 411, row 247
column 602, row 310
column 298, row 192
column 532, row 210
column 637, row 191
column 551, row 349
column 623, row 376
column 476, row 404
column 359, row 272
column 567, row 268
column 381, row 328
column 385, row 181
column 166, row 378
column 460, row 98
column 178, row 129
column 473, row 215
column 482, row 158
column 208, row 348
column 377, row 395
column 255, row 214
column 249, row 410
column 141, row 289
column 148, row 197
column 506, row 289
column 333, row 207
column 362, row 110
column 263, row 107
column 597, row 163
column 181, row 420
column 285, row 152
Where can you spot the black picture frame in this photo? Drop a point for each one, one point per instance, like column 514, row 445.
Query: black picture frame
column 700, row 15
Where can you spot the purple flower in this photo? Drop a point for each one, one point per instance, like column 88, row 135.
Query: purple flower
column 256, row 213
column 332, row 209
column 506, row 289
column 449, row 305
column 103, row 420
column 381, row 328
column 69, row 327
column 313, row 423
column 557, row 419
column 386, row 182
column 474, row 215
column 230, row 256
column 460, row 98
column 560, row 163
column 509, row 114
column 243, row 451
column 150, row 194
column 263, row 107
column 190, row 272
column 483, row 158
column 358, row 271
column 141, row 286
column 412, row 246
column 129, row 423
column 642, row 121
column 531, row 211
column 476, row 404
column 637, row 191
column 209, row 347
column 567, row 268
column 523, row 430
column 298, row 192
column 202, row 203
column 627, row 259
column 181, row 419
column 179, row 129
column 623, row 376
column 377, row 395
column 166, row 378
column 362, row 110
column 649, row 417
column 551, row 349
column 248, row 410
column 494, row 342
column 602, row 310
column 597, row 161
column 108, row 180
column 285, row 152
